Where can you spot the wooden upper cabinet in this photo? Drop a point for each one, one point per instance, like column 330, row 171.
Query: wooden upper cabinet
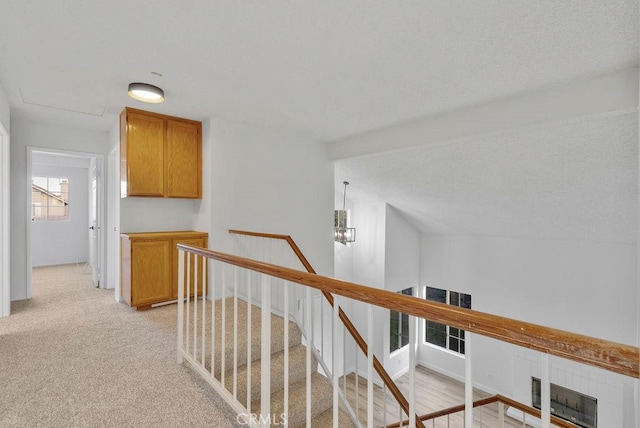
column 183, row 149
column 161, row 156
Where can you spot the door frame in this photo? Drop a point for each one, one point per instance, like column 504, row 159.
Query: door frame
column 100, row 186
column 5, row 261
column 113, row 222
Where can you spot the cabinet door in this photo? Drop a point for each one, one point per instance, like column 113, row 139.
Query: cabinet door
column 150, row 272
column 145, row 155
column 184, row 159
column 196, row 242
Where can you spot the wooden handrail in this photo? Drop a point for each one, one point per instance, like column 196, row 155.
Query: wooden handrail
column 357, row 337
column 483, row 402
column 287, row 238
column 615, row 357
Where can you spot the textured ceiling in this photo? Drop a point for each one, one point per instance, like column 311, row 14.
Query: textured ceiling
column 570, row 180
column 332, row 69
column 323, row 70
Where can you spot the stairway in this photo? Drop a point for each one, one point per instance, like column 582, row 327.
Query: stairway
column 321, row 389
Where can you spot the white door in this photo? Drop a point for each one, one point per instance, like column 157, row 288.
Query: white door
column 94, row 220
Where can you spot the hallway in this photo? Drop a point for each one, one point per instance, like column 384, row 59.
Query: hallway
column 73, row 357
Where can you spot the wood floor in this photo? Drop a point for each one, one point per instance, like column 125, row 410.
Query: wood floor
column 433, row 392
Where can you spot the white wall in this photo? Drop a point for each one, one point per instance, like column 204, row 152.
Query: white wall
column 5, row 110
column 265, row 181
column 587, row 284
column 112, row 211
column 61, row 242
column 4, row 206
column 367, row 258
column 577, row 285
column 402, row 270
column 29, row 133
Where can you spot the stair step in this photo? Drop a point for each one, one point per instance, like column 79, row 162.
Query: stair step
column 321, row 400
column 277, row 334
column 325, row 419
column 297, row 364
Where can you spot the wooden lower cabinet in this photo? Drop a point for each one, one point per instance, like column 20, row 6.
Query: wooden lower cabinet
column 149, row 265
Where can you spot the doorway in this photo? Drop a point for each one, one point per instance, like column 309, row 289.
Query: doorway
column 66, row 211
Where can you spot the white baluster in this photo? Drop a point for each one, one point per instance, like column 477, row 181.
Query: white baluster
column 213, row 319
column 286, row 347
column 235, row 332
column 545, row 393
column 180, row 305
column 500, row 414
column 468, row 382
column 370, row 366
column 188, row 284
column 265, row 347
column 223, row 325
column 309, row 345
column 384, row 405
column 357, row 382
column 202, row 279
column 412, row 370
column 249, row 330
column 195, row 306
column 335, row 322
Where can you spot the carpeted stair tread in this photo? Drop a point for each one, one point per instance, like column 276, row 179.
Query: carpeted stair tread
column 325, row 419
column 277, row 333
column 297, row 364
column 321, row 400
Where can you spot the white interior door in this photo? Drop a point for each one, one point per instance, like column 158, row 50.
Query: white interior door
column 94, row 220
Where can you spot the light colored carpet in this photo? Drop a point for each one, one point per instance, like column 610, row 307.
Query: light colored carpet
column 73, row 357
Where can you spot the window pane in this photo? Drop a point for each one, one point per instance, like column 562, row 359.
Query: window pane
column 405, row 330
column 50, row 198
column 454, row 298
column 453, row 344
column 399, row 326
column 437, row 295
column 465, row 301
column 436, row 333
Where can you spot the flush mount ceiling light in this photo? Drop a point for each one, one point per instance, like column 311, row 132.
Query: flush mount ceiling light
column 343, row 234
column 146, row 93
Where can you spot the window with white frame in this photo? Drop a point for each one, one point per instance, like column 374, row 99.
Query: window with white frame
column 399, row 326
column 49, row 198
column 442, row 335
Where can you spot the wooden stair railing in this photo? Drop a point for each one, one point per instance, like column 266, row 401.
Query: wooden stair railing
column 611, row 356
column 357, row 337
column 556, row 421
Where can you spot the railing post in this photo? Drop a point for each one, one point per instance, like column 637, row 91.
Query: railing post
column 468, row 383
column 369, row 367
column 181, row 255
column 249, row 330
column 412, row 370
column 212, row 288
column 286, row 348
column 545, row 393
column 335, row 320
column 310, row 339
column 500, row 414
column 265, row 355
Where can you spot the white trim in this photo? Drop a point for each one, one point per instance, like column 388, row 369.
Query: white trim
column 113, row 226
column 100, row 162
column 5, row 262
